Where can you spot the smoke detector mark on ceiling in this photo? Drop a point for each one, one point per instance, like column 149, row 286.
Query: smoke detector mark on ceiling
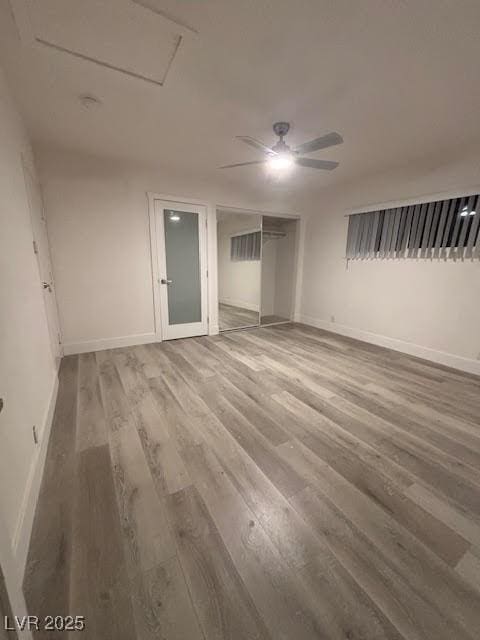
column 111, row 41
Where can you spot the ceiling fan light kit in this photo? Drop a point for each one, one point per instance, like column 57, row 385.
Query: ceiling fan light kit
column 281, row 157
column 281, row 161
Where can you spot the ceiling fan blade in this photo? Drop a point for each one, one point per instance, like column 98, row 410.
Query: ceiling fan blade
column 256, row 144
column 328, row 165
column 329, row 140
column 241, row 164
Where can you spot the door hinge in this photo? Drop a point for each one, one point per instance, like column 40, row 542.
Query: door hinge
column 206, row 273
column 35, row 247
column 59, row 338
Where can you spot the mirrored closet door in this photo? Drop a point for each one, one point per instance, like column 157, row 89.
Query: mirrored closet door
column 239, row 243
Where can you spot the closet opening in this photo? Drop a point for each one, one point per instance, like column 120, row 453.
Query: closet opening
column 257, row 258
column 279, row 258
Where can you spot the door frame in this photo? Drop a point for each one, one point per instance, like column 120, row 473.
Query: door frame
column 55, row 334
column 184, row 330
column 156, row 257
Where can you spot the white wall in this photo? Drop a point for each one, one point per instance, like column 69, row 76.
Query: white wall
column 99, row 243
column 428, row 308
column 279, row 272
column 238, row 281
column 28, row 373
column 286, row 250
column 98, row 222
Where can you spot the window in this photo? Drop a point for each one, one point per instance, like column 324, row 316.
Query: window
column 245, row 246
column 441, row 229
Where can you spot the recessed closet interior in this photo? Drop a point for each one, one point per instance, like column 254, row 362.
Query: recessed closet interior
column 256, row 269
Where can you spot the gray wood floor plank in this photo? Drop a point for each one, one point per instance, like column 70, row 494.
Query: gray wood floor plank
column 303, row 551
column 177, row 380
column 461, row 433
column 99, row 581
column 294, row 541
column 47, row 575
column 469, row 568
column 255, row 414
column 225, row 356
column 340, row 447
column 452, row 479
column 115, row 403
column 91, row 425
column 280, row 482
column 388, row 490
column 410, row 558
column 444, row 448
column 162, row 605
column 223, row 606
column 375, row 362
column 189, row 349
column 145, row 532
column 181, row 426
column 403, row 606
column 254, row 443
column 276, row 592
column 152, row 424
column 309, row 565
column 444, row 511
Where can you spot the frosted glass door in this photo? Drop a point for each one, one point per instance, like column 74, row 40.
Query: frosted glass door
column 183, row 274
column 183, row 266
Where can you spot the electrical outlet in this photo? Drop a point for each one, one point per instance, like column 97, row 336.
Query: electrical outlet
column 35, row 434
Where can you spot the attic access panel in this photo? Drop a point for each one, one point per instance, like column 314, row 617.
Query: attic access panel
column 122, row 35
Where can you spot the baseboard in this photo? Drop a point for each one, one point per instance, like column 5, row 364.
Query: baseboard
column 239, row 303
column 440, row 357
column 23, row 529
column 72, row 348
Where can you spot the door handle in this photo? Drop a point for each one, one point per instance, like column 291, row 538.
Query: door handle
column 47, row 285
column 165, row 281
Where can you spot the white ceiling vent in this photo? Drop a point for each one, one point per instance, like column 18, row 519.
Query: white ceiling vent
column 122, row 35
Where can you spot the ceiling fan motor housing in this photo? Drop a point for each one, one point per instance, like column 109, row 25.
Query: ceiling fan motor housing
column 281, row 128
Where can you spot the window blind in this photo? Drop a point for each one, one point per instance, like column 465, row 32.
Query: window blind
column 246, row 246
column 441, row 229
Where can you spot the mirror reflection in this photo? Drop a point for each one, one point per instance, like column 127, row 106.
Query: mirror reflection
column 239, row 241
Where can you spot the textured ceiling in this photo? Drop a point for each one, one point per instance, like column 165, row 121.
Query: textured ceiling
column 399, row 79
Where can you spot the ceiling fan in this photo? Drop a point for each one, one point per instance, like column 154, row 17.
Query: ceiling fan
column 281, row 156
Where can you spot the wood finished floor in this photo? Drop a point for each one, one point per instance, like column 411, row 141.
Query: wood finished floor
column 272, row 319
column 230, row 317
column 280, row 483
